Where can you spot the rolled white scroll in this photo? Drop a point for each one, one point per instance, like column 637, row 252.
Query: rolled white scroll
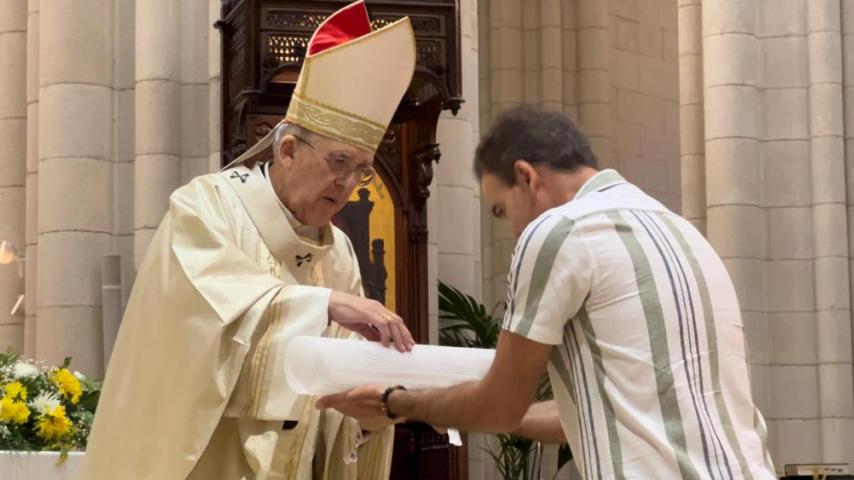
column 323, row 366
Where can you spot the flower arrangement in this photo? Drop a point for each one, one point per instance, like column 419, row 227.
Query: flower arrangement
column 44, row 407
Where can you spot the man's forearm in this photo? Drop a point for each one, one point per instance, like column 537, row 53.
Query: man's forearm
column 460, row 407
column 495, row 403
column 542, row 423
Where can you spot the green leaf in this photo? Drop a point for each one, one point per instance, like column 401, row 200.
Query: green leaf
column 470, row 324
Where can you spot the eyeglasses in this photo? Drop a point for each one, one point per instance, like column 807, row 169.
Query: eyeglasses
column 342, row 167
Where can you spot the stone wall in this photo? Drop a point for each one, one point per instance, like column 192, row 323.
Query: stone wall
column 767, row 161
column 13, row 154
column 104, row 112
column 454, row 204
column 645, row 93
column 610, row 65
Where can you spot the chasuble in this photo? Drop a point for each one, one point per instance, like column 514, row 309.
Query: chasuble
column 195, row 387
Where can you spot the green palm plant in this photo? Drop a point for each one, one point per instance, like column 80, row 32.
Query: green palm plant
column 468, row 324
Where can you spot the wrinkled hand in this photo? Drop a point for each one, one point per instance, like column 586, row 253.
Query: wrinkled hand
column 370, row 319
column 362, row 403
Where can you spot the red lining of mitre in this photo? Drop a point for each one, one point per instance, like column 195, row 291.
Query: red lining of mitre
column 341, row 27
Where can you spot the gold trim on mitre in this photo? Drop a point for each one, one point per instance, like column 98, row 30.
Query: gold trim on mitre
column 350, row 92
column 334, row 123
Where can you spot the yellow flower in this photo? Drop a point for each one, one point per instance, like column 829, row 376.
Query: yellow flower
column 54, row 424
column 7, row 409
column 22, row 412
column 68, row 385
column 13, row 412
column 16, row 391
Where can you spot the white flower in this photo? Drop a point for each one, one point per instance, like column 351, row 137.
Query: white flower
column 45, row 402
column 4, row 431
column 79, row 376
column 24, row 370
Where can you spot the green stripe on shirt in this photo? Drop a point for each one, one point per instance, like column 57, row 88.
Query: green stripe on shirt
column 542, row 271
column 712, row 343
column 657, row 332
column 607, row 407
column 562, row 372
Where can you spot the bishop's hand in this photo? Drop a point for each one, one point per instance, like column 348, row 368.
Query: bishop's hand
column 370, row 319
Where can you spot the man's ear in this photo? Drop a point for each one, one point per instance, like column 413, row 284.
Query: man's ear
column 286, row 150
column 527, row 176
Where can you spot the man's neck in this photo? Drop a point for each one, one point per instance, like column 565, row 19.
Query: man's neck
column 278, row 184
column 564, row 186
column 277, row 180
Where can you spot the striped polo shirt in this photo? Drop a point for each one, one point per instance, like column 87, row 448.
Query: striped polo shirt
column 649, row 368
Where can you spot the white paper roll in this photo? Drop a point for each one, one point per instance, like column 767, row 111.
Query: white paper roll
column 323, row 366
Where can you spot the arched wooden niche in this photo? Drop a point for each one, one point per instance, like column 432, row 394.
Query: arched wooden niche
column 263, row 45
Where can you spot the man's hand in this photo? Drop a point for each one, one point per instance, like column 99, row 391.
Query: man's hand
column 495, row 404
column 542, row 423
column 370, row 319
column 361, row 403
column 376, row 424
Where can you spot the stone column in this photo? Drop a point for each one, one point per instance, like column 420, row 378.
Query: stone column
column 195, row 100
column 847, row 27
column 830, row 232
column 791, row 353
column 847, row 17
column 594, row 83
column 124, row 128
column 691, row 112
column 733, row 163
column 13, row 128
column 454, row 208
column 32, row 226
column 75, row 177
column 456, row 188
column 214, row 88
column 551, row 55
column 506, row 61
column 485, row 113
column 505, row 55
column 569, row 54
column 733, row 166
column 531, row 48
column 777, row 183
column 157, row 165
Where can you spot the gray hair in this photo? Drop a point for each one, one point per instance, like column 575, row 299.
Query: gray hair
column 285, row 128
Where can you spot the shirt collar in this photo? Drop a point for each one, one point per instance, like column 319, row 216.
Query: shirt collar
column 602, row 180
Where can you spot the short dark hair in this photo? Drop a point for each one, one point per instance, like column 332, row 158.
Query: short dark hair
column 536, row 135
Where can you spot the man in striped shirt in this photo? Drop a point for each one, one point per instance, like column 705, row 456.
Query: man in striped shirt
column 623, row 302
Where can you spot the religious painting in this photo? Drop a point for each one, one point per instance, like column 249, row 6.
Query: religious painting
column 369, row 221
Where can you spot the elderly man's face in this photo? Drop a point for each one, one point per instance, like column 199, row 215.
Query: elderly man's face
column 321, row 175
